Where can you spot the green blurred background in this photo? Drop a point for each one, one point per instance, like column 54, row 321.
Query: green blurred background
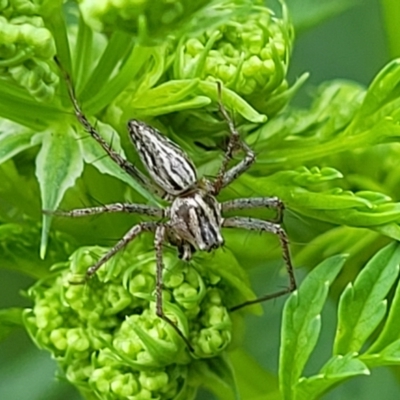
column 351, row 45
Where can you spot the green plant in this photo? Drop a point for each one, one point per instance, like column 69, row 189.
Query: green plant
column 333, row 164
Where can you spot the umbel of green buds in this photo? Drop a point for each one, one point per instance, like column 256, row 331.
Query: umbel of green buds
column 105, row 334
column 27, row 49
column 248, row 53
column 148, row 19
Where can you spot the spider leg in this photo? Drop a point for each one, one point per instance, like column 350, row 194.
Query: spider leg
column 265, row 226
column 128, row 237
column 124, row 164
column 256, row 202
column 110, row 208
column 225, row 176
column 158, row 242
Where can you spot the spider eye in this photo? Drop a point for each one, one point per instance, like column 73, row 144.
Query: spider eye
column 166, row 162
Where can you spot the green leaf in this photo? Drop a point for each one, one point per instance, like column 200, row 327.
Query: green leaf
column 370, row 117
column 84, row 45
column 53, row 17
column 390, row 332
column 10, row 318
column 390, row 355
column 14, row 138
column 335, row 205
column 118, row 46
column 58, row 164
column 112, row 88
column 362, row 306
column 301, row 323
column 382, row 99
column 232, row 101
column 335, row 371
column 168, row 97
column 18, row 106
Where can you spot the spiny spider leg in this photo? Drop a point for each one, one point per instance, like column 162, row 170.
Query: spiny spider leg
column 265, row 226
column 128, row 237
column 256, row 202
column 128, row 167
column 225, row 176
column 129, row 208
column 158, row 244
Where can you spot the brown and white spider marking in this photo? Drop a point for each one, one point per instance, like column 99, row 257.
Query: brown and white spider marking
column 194, row 219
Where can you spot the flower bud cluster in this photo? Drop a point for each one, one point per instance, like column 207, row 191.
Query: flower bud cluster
column 27, row 48
column 249, row 53
column 149, row 19
column 106, row 335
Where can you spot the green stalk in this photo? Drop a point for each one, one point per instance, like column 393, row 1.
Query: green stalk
column 119, row 46
column 391, row 16
column 139, row 56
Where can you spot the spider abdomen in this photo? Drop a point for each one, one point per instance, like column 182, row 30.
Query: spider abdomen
column 197, row 220
column 166, row 162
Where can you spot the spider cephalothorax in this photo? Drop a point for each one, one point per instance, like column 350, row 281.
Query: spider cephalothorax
column 194, row 219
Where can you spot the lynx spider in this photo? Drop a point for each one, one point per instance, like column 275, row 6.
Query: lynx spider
column 194, row 215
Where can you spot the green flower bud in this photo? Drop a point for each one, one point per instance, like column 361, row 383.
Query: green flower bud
column 174, row 280
column 27, row 49
column 125, row 385
column 141, row 283
column 59, row 338
column 149, row 19
column 106, row 335
column 212, row 340
column 8, row 33
column 118, row 298
column 249, row 53
column 101, row 379
column 24, row 7
column 77, row 340
column 77, row 371
column 153, row 380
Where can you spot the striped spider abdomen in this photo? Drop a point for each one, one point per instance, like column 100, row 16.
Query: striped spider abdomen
column 167, row 164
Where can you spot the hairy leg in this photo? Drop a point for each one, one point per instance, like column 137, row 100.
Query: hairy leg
column 158, row 242
column 265, row 226
column 128, row 237
column 225, row 176
column 124, row 164
column 129, row 208
column 255, row 202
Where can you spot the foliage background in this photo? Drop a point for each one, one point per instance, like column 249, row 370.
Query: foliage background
column 352, row 46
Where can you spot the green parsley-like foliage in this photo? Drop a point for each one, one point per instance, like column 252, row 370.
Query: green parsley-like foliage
column 362, row 307
column 334, row 164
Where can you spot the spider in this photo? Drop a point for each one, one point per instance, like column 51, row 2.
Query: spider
column 194, row 219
